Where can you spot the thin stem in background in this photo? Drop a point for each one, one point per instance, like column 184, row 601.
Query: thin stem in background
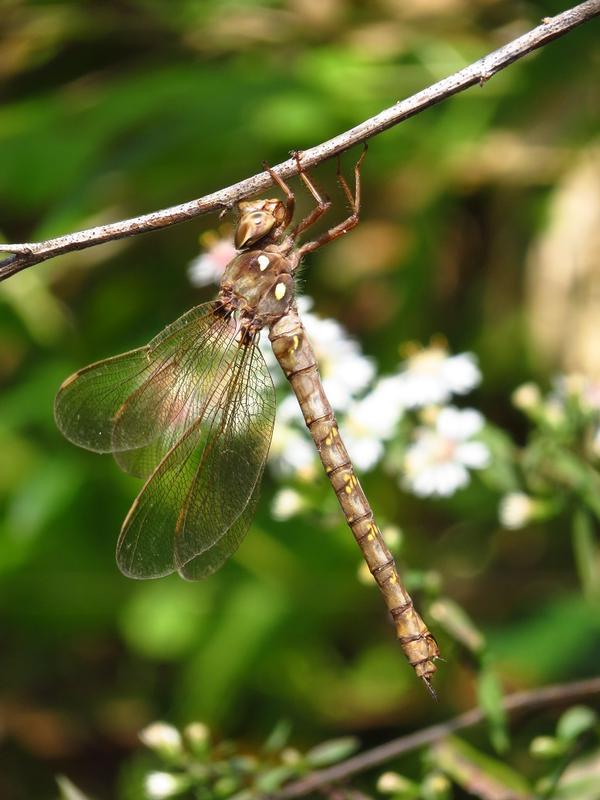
column 27, row 254
column 558, row 694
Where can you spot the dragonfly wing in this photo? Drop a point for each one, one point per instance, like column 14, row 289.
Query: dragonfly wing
column 87, row 401
column 127, row 402
column 208, row 479
column 213, row 559
column 176, row 396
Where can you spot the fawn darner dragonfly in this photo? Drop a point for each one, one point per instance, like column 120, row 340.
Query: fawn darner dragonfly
column 192, row 413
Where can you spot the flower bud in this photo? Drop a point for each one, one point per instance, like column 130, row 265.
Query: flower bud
column 527, row 397
column 164, row 739
column 436, row 786
column 287, row 503
column 516, row 510
column 546, row 747
column 393, row 783
column 161, row 785
column 197, row 735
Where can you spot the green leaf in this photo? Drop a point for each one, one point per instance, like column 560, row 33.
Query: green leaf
column 279, row 736
column 332, row 751
column 501, row 473
column 178, row 612
column 237, row 631
column 272, row 779
column 489, row 694
column 548, row 642
column 574, row 722
column 68, row 790
column 485, row 777
column 580, row 780
column 587, row 554
column 547, row 747
column 457, row 623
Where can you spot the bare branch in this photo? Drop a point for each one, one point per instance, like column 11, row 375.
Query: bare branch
column 25, row 255
column 558, row 694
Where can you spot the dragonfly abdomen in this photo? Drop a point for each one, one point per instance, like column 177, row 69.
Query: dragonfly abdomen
column 294, row 352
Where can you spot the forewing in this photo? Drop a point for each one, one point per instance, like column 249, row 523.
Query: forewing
column 87, row 401
column 208, row 480
column 126, row 402
column 185, row 389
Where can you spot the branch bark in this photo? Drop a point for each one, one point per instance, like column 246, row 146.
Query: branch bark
column 30, row 253
column 558, row 694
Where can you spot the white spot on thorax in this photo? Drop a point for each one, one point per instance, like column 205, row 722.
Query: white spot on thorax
column 263, row 262
column 280, row 291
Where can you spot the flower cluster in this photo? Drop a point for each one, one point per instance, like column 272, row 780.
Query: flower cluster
column 194, row 763
column 438, row 442
column 556, row 461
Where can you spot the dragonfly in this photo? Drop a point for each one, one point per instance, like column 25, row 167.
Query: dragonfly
column 192, row 414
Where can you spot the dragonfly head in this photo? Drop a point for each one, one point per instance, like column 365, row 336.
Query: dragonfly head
column 258, row 218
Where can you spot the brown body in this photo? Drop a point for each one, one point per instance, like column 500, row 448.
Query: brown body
column 258, row 284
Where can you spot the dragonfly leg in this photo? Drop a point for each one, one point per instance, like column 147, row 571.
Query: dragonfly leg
column 350, row 222
column 290, row 199
column 322, row 201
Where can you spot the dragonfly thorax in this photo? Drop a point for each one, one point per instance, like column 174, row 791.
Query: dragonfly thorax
column 259, row 286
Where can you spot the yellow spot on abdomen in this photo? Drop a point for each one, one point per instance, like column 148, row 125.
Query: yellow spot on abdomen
column 294, row 345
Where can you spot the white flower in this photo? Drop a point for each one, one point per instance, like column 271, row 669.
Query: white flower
column 516, row 510
column 159, row 785
column 436, row 464
column 431, row 376
column 345, row 371
column 371, row 421
column 287, row 503
column 209, row 266
column 163, row 738
column 291, row 451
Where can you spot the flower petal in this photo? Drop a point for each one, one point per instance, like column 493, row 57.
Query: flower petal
column 475, row 455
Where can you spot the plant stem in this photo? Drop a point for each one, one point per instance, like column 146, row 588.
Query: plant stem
column 30, row 253
column 558, row 694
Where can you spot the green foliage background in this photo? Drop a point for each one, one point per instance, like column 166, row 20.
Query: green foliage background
column 110, row 109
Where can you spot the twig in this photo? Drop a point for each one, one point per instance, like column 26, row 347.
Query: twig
column 558, row 694
column 25, row 255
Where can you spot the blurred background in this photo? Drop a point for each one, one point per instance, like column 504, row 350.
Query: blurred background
column 481, row 225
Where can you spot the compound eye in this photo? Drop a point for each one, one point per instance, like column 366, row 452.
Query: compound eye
column 252, row 227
